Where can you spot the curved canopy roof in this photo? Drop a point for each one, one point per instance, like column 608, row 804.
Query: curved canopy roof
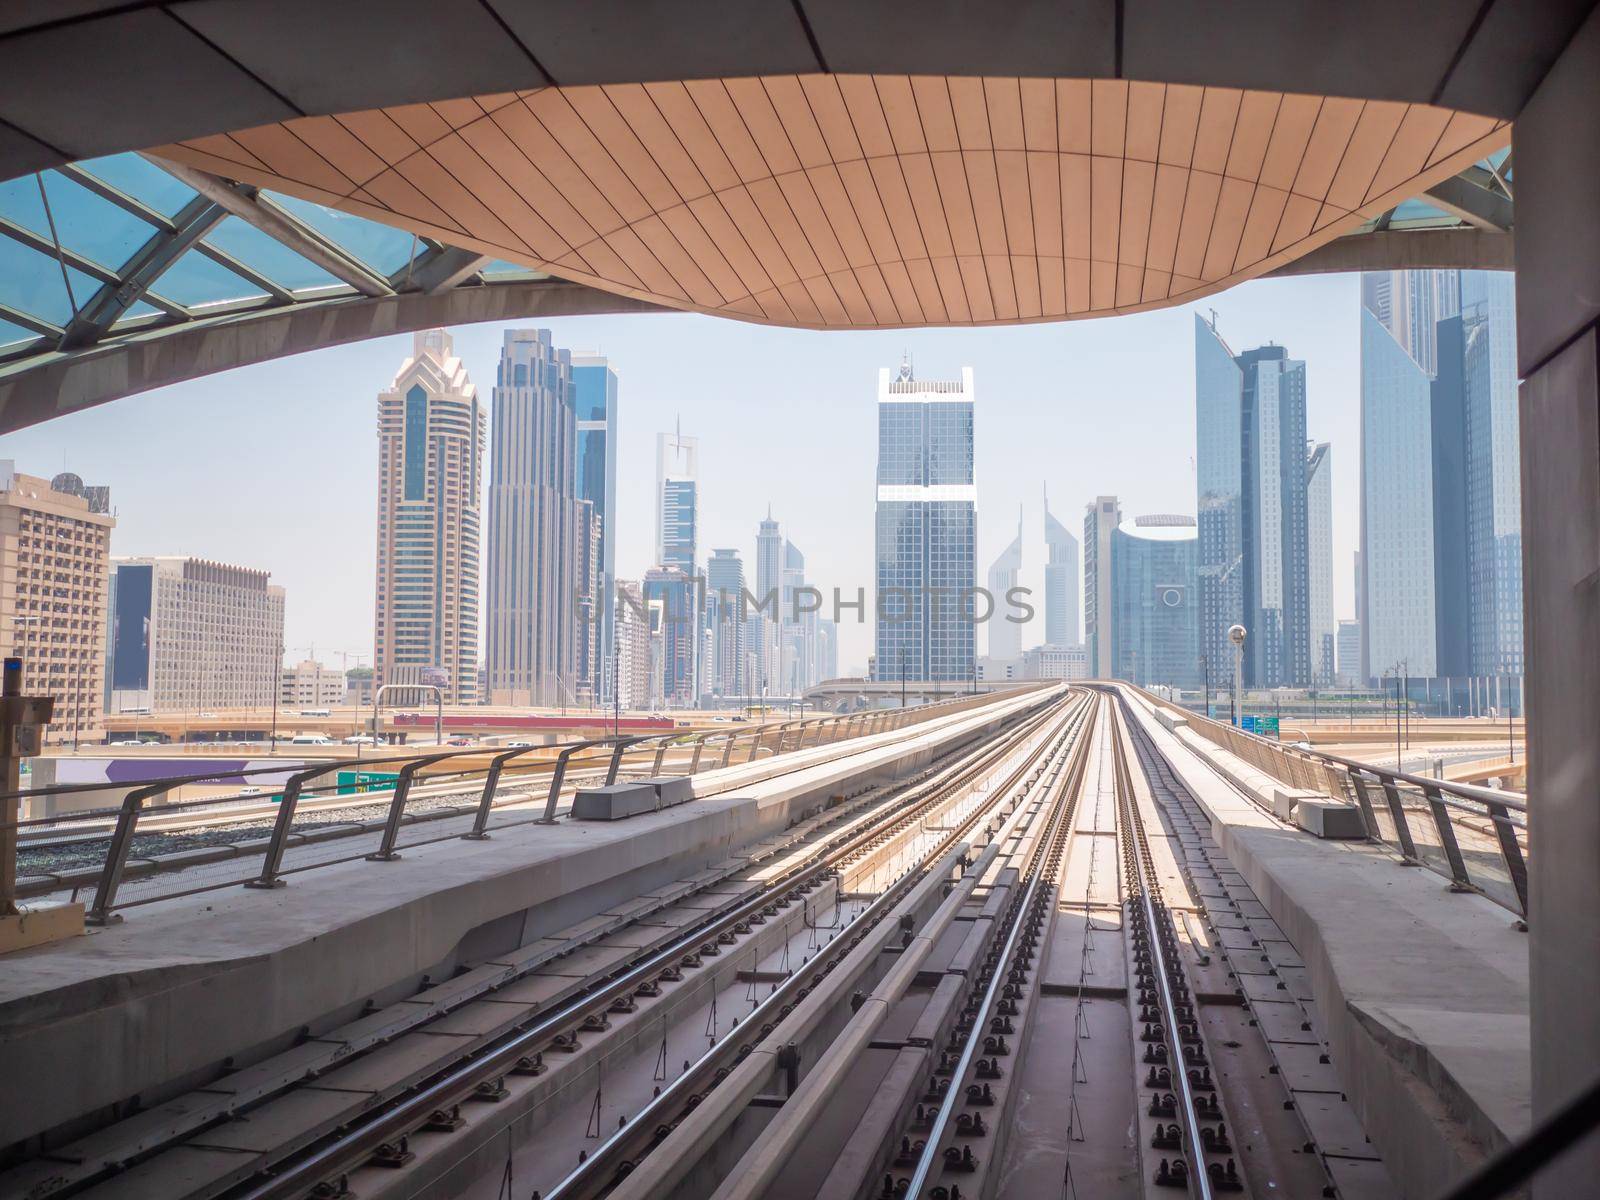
column 741, row 160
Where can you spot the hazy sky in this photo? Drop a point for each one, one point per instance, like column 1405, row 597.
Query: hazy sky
column 275, row 466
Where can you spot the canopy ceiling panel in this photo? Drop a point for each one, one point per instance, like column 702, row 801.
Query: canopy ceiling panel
column 873, row 201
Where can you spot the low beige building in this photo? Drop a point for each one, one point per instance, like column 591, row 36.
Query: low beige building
column 55, row 542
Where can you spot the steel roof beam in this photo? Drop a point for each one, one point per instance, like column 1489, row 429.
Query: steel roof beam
column 243, row 202
column 160, row 252
column 442, row 268
column 1471, row 203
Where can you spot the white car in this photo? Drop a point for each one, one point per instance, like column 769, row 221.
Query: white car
column 359, row 739
column 519, row 745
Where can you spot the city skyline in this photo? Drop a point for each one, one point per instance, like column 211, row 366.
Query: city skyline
column 737, row 479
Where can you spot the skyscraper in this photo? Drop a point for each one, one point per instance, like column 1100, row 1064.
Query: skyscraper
column 725, row 675
column 1060, row 583
column 926, row 527
column 1219, row 483
column 1251, row 461
column 1153, row 586
column 430, row 461
column 630, row 668
column 1397, row 543
column 675, row 629
column 1319, row 560
column 1494, row 471
column 539, row 533
column 1100, row 521
column 1005, row 637
column 1462, row 527
column 595, row 396
column 677, row 501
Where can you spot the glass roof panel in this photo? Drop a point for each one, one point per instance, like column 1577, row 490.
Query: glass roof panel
column 88, row 226
column 12, row 335
column 269, row 256
column 143, row 180
column 195, row 281
column 31, row 282
column 500, row 269
column 1410, row 210
column 384, row 249
column 94, row 227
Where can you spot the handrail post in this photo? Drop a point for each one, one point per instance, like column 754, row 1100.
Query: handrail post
column 491, row 783
column 1408, row 848
column 391, row 826
column 699, row 745
column 287, row 803
column 727, row 749
column 1364, row 803
column 557, row 777
column 661, row 754
column 1460, row 880
column 105, row 892
column 616, row 758
column 1510, row 851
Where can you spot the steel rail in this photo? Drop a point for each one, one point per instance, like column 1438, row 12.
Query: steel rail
column 356, row 1143
column 608, row 1162
column 1058, row 830
column 1149, row 892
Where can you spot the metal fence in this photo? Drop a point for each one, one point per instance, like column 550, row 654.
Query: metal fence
column 1476, row 837
column 435, row 795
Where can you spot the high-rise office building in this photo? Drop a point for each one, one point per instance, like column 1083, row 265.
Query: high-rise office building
column 541, row 537
column 55, row 557
column 677, row 501
column 827, row 650
column 1397, row 498
column 768, row 605
column 1100, row 522
column 926, row 527
column 594, row 384
column 630, row 667
column 725, row 614
column 1440, row 595
column 1005, row 637
column 1141, row 586
column 1348, row 668
column 1253, row 491
column 1060, row 583
column 588, row 601
column 1319, row 560
column 430, row 460
column 798, row 627
column 1153, row 589
column 675, row 629
column 1494, row 473
column 189, row 635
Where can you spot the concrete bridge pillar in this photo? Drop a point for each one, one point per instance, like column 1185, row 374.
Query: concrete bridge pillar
column 1557, row 180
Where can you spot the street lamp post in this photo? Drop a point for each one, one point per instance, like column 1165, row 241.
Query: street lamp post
column 1236, row 635
column 902, row 676
column 277, row 687
column 1205, row 672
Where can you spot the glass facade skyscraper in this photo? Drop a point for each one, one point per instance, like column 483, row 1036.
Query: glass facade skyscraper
column 1319, row 562
column 1005, row 637
column 926, row 527
column 595, row 396
column 1060, row 583
column 430, row 458
column 1442, row 591
column 541, row 538
column 1251, row 496
column 1153, row 615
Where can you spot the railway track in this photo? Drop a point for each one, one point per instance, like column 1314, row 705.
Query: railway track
column 1028, row 971
column 547, row 1009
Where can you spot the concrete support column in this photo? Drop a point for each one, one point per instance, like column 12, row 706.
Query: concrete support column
column 1557, row 177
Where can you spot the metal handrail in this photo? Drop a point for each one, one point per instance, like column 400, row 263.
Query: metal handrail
column 134, row 805
column 1440, row 797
